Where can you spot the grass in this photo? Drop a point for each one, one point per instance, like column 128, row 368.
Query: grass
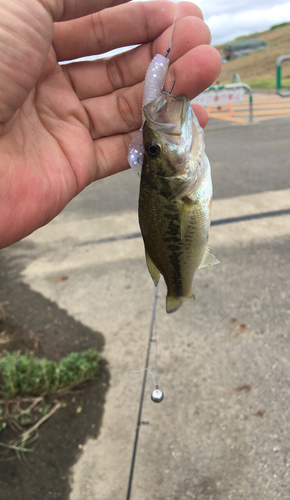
column 27, row 375
column 259, row 33
column 277, row 26
column 256, row 34
column 28, row 387
column 267, row 83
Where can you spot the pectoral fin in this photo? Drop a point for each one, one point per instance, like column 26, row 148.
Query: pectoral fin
column 208, row 259
column 185, row 216
column 155, row 273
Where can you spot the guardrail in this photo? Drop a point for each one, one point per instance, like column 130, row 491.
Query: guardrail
column 279, row 76
column 232, row 86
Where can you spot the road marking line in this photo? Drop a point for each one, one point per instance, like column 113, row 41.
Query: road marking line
column 74, row 256
column 265, row 112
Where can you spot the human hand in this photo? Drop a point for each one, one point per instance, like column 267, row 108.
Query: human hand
column 64, row 126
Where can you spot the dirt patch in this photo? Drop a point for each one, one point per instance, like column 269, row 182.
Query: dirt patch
column 36, row 324
column 262, row 63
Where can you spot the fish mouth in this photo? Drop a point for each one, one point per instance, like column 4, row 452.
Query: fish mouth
column 168, row 114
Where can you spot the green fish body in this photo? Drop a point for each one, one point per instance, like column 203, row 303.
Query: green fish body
column 175, row 196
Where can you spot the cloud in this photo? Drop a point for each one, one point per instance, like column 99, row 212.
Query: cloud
column 228, row 20
column 219, row 7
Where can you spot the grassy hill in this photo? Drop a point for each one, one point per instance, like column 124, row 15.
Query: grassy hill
column 258, row 69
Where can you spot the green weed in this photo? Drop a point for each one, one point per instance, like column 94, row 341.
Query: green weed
column 27, row 386
column 26, row 375
column 277, row 26
column 267, row 83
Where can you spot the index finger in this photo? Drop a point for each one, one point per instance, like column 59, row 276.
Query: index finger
column 121, row 26
column 104, row 76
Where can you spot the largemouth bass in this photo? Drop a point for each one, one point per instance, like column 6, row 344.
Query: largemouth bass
column 175, row 196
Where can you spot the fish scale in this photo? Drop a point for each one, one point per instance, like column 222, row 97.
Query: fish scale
column 173, row 257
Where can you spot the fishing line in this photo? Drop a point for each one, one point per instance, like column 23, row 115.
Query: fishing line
column 157, row 395
column 143, row 370
column 170, row 39
column 155, row 334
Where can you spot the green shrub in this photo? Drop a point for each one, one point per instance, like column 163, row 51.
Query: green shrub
column 26, row 375
column 267, row 83
column 277, row 26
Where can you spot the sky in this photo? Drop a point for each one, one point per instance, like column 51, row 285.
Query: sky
column 229, row 19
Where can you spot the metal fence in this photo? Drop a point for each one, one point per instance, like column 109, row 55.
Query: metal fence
column 280, row 60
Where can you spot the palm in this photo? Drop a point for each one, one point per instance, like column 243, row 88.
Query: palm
column 70, row 125
column 52, row 155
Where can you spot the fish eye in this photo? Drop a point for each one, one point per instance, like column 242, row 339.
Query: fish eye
column 153, row 149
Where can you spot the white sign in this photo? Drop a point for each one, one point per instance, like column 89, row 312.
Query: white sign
column 219, row 97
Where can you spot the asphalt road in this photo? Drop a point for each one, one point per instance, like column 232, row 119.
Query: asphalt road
column 222, row 431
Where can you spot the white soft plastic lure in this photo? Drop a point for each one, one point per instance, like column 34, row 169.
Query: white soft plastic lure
column 153, row 87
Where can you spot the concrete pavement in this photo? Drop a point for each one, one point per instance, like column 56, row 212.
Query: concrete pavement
column 222, row 431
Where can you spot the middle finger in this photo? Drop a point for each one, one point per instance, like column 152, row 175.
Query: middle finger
column 103, row 76
column 120, row 111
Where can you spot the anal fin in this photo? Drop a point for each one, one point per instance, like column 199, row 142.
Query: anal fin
column 174, row 303
column 154, row 272
column 208, row 259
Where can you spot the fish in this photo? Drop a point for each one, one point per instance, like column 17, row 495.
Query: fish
column 175, row 196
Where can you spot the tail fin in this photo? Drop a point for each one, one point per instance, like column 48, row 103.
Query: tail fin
column 174, row 303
